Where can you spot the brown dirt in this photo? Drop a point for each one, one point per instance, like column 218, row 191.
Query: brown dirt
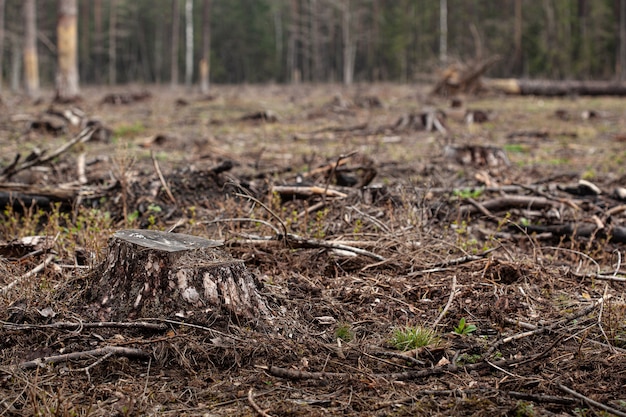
column 327, row 351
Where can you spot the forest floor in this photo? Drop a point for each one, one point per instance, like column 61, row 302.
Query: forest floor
column 479, row 237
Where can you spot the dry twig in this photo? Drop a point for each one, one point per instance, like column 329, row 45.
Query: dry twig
column 162, row 179
column 553, row 326
column 13, row 169
column 27, row 275
column 108, row 350
column 81, row 325
column 255, row 406
column 447, row 307
column 589, row 401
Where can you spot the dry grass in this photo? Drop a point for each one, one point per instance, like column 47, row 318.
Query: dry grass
column 300, row 364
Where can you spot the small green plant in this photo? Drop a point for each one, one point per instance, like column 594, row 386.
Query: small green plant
column 129, row 129
column 467, row 358
column 581, row 412
column 344, row 332
column 412, row 337
column 132, row 217
column 589, row 174
column 515, row 148
column 463, row 328
column 319, row 225
column 524, row 409
column 468, row 192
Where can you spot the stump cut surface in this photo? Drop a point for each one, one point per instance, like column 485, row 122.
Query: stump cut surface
column 156, row 274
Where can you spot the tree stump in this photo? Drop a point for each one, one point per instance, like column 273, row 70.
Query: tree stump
column 156, row 274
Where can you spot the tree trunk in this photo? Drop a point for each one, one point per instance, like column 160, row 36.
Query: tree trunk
column 157, row 274
column 443, row 32
column 349, row 44
column 98, row 48
column 85, row 35
column 31, row 62
column 16, row 60
column 2, row 8
column 112, row 42
column 67, row 72
column 188, row 42
column 205, row 63
column 278, row 37
column 291, row 43
column 517, row 51
column 316, row 49
column 622, row 41
column 175, row 40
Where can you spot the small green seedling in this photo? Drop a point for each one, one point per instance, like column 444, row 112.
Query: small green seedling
column 344, row 332
column 464, row 328
column 468, row 192
column 412, row 337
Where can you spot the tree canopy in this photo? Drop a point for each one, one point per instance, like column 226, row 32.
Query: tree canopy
column 291, row 40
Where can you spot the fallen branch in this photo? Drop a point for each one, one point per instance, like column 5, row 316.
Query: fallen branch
column 286, row 190
column 553, row 326
column 339, row 129
column 295, row 374
column 77, row 327
column 536, row 398
column 590, row 402
column 447, row 307
column 109, row 350
column 27, row 275
column 441, row 266
column 14, row 168
column 401, row 356
column 255, row 405
column 508, row 202
column 298, row 241
column 575, row 230
column 163, row 182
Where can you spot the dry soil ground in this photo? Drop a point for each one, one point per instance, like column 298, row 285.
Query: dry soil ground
column 449, row 230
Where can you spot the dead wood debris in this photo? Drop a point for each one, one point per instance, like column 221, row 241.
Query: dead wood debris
column 316, row 285
column 43, row 157
column 463, row 78
column 125, row 98
column 89, row 354
column 478, row 155
column 267, row 116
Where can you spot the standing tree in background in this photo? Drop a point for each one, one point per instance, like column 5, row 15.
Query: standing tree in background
column 84, row 48
column 175, row 36
column 517, row 51
column 98, row 48
column 443, row 31
column 292, row 69
column 112, row 42
column 31, row 62
column 622, row 41
column 188, row 42
column 348, row 42
column 67, row 38
column 205, row 61
column 1, row 41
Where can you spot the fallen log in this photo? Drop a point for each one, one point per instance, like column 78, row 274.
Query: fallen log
column 156, row 274
column 578, row 230
column 556, row 88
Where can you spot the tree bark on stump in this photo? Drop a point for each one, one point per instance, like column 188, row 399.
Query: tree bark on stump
column 156, row 274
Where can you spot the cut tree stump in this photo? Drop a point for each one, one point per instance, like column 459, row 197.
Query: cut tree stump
column 156, row 274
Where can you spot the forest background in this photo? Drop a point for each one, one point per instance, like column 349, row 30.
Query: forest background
column 258, row 41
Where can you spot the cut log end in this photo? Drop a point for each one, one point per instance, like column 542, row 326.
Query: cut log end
column 156, row 274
